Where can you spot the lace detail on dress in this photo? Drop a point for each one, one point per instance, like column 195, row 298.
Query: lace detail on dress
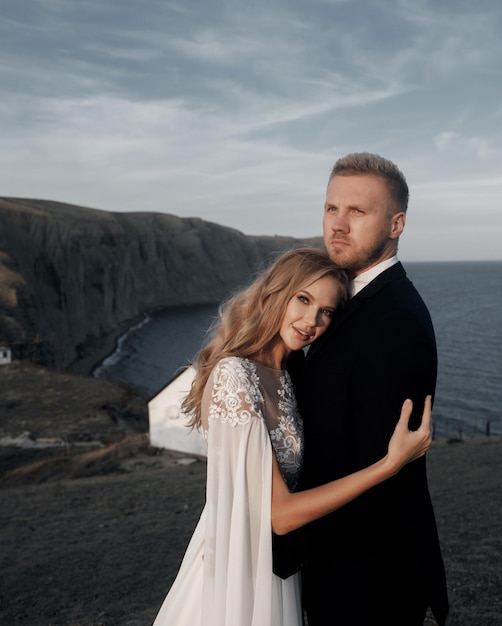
column 235, row 392
column 242, row 389
column 287, row 437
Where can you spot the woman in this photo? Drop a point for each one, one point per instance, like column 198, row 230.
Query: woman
column 242, row 399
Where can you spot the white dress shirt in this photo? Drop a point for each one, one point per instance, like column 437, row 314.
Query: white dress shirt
column 366, row 277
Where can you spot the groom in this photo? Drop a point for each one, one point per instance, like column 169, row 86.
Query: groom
column 376, row 560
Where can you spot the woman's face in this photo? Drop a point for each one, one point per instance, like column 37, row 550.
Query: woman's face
column 309, row 313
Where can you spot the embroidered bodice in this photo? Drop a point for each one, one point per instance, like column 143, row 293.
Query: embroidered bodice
column 240, row 390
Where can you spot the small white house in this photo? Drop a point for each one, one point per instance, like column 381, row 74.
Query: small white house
column 168, row 427
column 5, row 355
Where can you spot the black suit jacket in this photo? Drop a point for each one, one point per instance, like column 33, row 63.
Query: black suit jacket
column 378, row 351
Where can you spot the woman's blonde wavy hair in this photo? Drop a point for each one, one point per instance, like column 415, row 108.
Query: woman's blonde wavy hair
column 249, row 321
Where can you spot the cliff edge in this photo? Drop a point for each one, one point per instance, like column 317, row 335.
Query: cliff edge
column 73, row 278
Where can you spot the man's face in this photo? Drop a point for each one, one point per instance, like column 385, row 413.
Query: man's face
column 361, row 228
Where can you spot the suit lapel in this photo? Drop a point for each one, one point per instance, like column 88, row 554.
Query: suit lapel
column 395, row 272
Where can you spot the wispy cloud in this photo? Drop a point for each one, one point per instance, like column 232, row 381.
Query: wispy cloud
column 235, row 112
column 445, row 140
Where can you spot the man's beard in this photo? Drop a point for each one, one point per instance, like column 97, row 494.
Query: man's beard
column 353, row 266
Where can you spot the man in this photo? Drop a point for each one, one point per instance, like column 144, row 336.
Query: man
column 377, row 560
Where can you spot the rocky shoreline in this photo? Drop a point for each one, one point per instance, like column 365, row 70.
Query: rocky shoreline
column 93, row 535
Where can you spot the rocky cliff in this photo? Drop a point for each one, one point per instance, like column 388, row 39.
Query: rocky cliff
column 72, row 278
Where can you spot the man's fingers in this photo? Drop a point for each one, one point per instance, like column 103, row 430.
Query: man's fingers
column 406, row 410
column 427, row 415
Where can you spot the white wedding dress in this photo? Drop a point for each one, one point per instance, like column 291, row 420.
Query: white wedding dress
column 226, row 576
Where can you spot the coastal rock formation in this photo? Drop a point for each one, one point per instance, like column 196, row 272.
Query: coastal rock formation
column 72, row 278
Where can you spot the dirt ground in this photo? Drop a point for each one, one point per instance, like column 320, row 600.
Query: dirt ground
column 92, row 531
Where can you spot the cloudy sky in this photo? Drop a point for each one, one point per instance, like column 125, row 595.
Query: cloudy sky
column 235, row 111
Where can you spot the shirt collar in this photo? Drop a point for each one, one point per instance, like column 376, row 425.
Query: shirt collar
column 366, row 277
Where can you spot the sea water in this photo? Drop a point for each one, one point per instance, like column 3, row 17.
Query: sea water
column 465, row 302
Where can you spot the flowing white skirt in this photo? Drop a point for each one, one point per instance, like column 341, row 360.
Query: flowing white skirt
column 183, row 605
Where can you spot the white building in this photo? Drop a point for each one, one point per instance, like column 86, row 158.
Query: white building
column 5, row 355
column 168, row 427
